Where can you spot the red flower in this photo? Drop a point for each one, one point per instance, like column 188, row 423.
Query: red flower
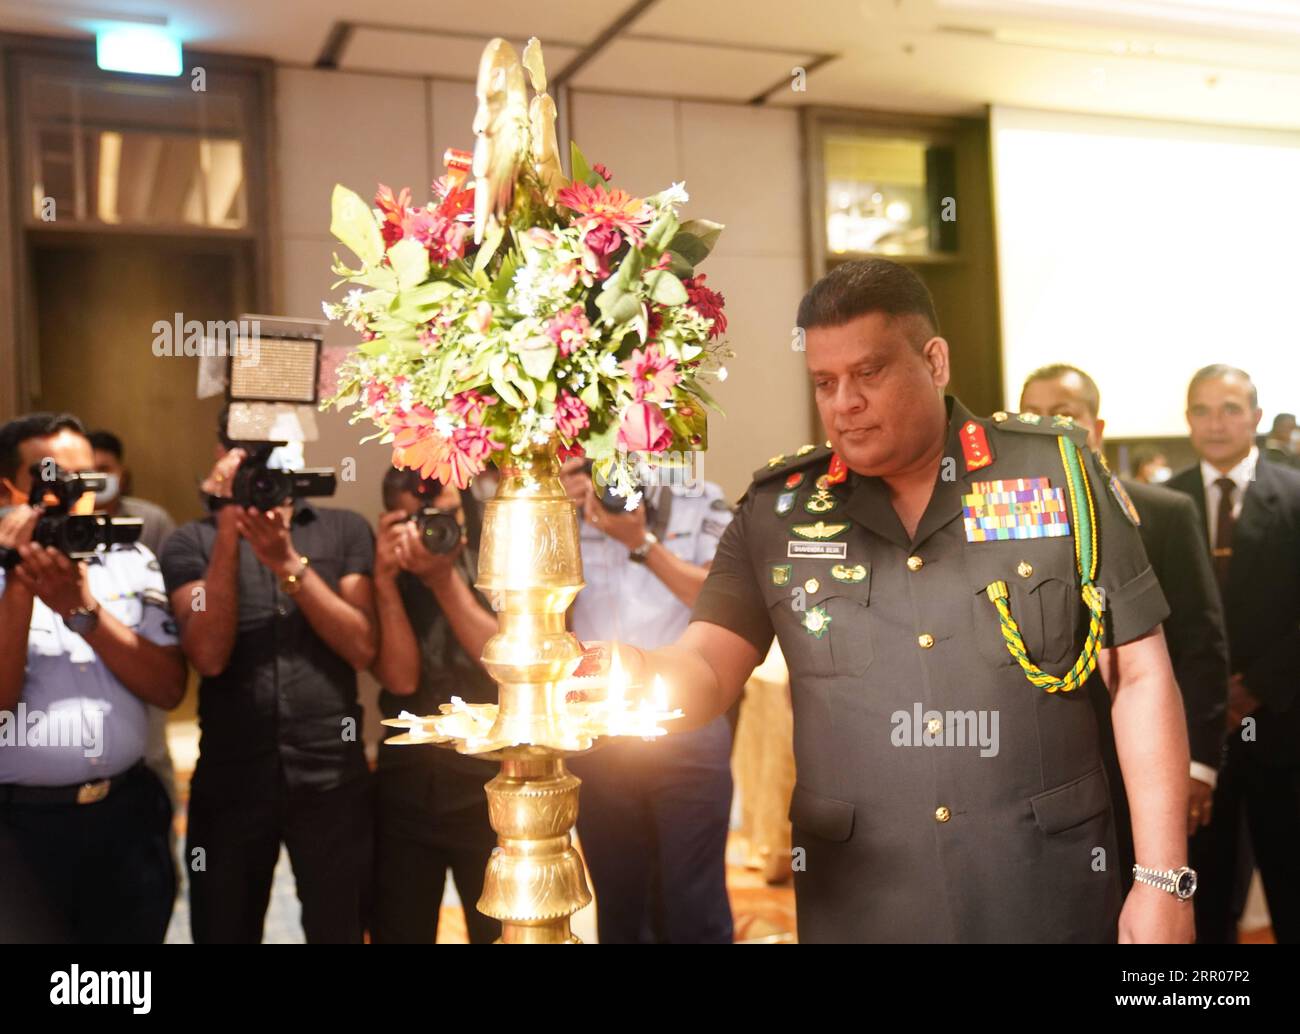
column 707, row 302
column 643, row 429
column 596, row 206
column 601, row 243
column 569, row 452
column 394, row 211
column 569, row 330
column 454, row 201
column 602, row 171
column 570, row 415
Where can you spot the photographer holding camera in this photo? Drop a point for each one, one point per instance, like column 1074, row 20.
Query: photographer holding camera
column 654, row 816
column 275, row 607
column 432, row 813
column 86, row 642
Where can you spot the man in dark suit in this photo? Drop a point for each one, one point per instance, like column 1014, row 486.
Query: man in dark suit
column 1252, row 515
column 1198, row 647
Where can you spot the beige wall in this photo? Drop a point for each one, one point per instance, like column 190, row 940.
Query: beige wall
column 741, row 166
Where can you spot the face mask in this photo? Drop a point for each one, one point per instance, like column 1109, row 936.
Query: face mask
column 112, row 485
column 1160, row 475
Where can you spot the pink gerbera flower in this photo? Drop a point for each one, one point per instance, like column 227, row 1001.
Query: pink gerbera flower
column 596, row 206
column 570, row 330
column 654, row 375
column 443, row 238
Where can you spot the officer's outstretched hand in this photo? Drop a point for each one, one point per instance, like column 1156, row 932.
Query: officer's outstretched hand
column 597, row 661
column 1154, row 916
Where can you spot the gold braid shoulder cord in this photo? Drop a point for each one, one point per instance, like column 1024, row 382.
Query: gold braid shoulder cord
column 1085, row 555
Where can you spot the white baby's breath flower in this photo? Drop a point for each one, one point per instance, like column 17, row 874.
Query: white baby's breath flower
column 608, row 365
column 675, row 195
column 443, row 425
column 722, row 373
column 633, row 501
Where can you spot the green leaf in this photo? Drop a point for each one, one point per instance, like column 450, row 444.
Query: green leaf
column 705, row 231
column 590, row 395
column 600, row 444
column 410, row 260
column 537, row 362
column 506, row 391
column 617, row 307
column 352, row 222
column 580, row 169
column 665, row 288
column 428, row 294
column 488, row 248
column 660, row 233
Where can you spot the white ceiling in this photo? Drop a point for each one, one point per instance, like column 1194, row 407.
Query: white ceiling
column 1221, row 61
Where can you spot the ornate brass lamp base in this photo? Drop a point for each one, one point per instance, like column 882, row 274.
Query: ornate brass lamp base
column 535, row 881
column 531, row 568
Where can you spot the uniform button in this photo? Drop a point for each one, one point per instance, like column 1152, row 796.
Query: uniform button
column 915, row 563
column 925, row 640
column 1024, row 569
column 942, row 814
column 812, row 585
column 282, row 610
column 999, row 417
column 934, row 726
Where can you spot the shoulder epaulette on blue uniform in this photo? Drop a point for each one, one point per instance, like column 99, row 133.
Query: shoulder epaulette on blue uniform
column 1032, row 423
column 804, row 456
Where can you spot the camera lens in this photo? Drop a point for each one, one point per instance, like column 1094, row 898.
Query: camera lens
column 439, row 531
column 79, row 535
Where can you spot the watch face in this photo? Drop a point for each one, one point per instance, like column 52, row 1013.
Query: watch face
column 1185, row 886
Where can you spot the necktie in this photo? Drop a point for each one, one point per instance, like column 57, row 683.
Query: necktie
column 1222, row 551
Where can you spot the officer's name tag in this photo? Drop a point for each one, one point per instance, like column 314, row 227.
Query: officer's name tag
column 829, row 550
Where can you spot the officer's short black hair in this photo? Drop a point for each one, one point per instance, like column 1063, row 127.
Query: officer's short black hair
column 107, row 441
column 25, row 428
column 1283, row 420
column 1217, row 370
column 1055, row 371
column 864, row 286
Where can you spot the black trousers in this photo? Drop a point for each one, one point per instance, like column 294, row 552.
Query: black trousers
column 653, row 825
column 231, row 850
column 429, row 819
column 97, row 873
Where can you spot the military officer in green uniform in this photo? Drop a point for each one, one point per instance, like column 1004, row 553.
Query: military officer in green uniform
column 934, row 577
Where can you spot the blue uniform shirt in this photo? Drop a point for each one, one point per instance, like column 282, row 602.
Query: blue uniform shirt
column 75, row 722
column 625, row 601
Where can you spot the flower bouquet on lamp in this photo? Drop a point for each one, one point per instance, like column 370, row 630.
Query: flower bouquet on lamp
column 518, row 318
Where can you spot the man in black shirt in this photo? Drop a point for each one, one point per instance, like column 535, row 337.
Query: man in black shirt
column 276, row 614
column 432, row 812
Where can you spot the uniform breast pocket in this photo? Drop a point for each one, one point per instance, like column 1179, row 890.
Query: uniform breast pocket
column 823, row 623
column 1042, row 595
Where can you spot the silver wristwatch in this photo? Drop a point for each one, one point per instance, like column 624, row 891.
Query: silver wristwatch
column 1181, row 883
column 642, row 551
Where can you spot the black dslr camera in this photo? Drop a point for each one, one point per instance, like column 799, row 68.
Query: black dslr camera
column 264, row 488
column 77, row 536
column 439, row 529
column 606, row 497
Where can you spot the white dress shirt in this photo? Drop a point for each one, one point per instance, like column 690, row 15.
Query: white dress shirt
column 1241, row 475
